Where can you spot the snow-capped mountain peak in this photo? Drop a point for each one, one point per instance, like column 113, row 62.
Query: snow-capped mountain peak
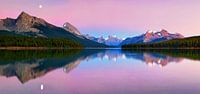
column 149, row 36
column 110, row 40
column 152, row 36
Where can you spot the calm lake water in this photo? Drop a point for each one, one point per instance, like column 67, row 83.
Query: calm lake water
column 99, row 72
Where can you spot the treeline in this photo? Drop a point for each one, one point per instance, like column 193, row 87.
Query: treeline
column 21, row 55
column 192, row 42
column 25, row 41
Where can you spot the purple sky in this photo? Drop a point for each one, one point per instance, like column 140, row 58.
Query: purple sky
column 113, row 17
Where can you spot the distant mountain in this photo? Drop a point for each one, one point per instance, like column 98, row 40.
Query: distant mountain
column 28, row 25
column 113, row 41
column 150, row 36
column 99, row 40
column 110, row 41
column 183, row 43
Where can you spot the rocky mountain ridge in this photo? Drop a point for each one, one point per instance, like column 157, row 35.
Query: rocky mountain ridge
column 110, row 41
column 151, row 36
column 28, row 25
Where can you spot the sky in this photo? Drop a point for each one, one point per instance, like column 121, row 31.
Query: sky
column 123, row 18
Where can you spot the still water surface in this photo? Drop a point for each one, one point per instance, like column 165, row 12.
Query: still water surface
column 98, row 72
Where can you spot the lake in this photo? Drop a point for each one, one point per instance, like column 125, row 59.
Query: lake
column 111, row 71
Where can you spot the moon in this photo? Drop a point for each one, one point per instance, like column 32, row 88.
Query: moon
column 40, row 6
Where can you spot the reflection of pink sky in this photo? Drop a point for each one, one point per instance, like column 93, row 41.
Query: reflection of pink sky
column 113, row 78
column 175, row 16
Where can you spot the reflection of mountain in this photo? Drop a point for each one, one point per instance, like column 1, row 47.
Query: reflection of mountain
column 37, row 63
column 176, row 53
column 108, row 54
column 71, row 66
column 24, row 71
column 151, row 59
column 148, row 58
column 160, row 60
column 27, row 65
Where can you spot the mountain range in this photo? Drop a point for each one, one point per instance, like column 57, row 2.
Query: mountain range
column 183, row 43
column 151, row 37
column 110, row 41
column 28, row 25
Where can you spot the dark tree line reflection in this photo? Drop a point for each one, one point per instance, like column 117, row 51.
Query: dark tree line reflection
column 30, row 64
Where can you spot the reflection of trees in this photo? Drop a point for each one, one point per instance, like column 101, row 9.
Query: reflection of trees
column 27, row 65
column 37, row 63
column 162, row 56
column 185, row 53
column 148, row 58
column 162, row 61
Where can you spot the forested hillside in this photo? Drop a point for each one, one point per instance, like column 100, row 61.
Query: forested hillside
column 25, row 41
column 191, row 42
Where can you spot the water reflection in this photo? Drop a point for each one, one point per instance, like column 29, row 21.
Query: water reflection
column 27, row 65
column 31, row 64
column 152, row 59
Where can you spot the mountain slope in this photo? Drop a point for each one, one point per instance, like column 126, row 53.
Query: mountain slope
column 184, row 43
column 36, row 27
column 67, row 26
column 150, row 36
column 25, row 41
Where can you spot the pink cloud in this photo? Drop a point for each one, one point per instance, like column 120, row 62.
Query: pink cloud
column 175, row 16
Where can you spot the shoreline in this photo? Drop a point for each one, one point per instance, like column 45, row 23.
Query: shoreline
column 35, row 48
column 51, row 48
column 61, row 48
column 192, row 48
